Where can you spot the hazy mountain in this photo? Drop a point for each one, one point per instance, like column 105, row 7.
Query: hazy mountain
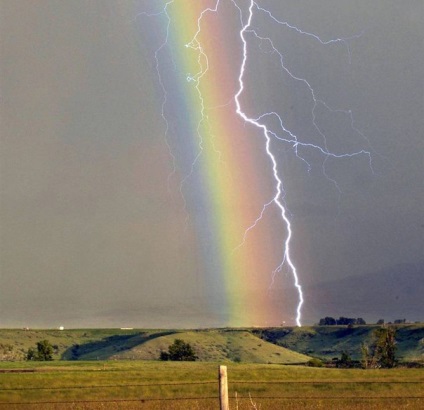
column 394, row 293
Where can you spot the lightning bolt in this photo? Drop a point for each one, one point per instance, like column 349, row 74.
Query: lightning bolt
column 249, row 36
column 157, row 54
column 279, row 184
column 344, row 40
column 287, row 135
column 203, row 63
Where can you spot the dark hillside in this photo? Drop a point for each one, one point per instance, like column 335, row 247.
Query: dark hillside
column 327, row 342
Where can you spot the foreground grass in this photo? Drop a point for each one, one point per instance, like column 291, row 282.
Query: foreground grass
column 171, row 385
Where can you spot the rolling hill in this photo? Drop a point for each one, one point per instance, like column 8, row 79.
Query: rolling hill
column 267, row 345
column 326, row 342
column 209, row 345
column 218, row 346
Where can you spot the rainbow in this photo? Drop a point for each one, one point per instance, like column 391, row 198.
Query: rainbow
column 222, row 163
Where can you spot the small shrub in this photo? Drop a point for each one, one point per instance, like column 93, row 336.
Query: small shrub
column 345, row 360
column 314, row 362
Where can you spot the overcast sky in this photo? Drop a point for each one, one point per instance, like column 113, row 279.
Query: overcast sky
column 90, row 234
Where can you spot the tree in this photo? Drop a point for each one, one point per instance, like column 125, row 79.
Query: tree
column 44, row 351
column 382, row 351
column 346, row 321
column 327, row 321
column 342, row 321
column 30, row 354
column 365, row 354
column 345, row 360
column 164, row 356
column 179, row 351
column 385, row 350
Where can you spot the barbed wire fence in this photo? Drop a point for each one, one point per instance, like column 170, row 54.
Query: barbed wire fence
column 221, row 396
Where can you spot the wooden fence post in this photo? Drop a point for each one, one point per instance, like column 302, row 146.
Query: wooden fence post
column 223, row 388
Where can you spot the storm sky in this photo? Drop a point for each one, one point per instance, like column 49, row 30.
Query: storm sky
column 92, row 234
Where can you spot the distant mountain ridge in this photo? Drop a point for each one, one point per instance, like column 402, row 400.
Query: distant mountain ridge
column 390, row 294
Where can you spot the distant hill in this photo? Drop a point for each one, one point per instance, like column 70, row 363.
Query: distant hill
column 218, row 346
column 395, row 293
column 267, row 345
column 327, row 342
column 102, row 344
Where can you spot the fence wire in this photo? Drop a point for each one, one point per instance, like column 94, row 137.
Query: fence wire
column 215, row 397
column 327, row 382
column 105, row 386
column 141, row 400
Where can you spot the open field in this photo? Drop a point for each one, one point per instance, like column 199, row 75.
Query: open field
column 194, row 385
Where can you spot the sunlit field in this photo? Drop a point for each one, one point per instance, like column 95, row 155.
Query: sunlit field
column 172, row 385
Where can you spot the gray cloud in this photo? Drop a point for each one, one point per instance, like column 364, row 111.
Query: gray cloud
column 89, row 232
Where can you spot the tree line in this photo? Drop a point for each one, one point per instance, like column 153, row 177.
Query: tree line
column 330, row 321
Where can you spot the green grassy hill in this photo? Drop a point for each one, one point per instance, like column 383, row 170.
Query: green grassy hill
column 102, row 344
column 218, row 345
column 327, row 342
column 15, row 342
column 274, row 345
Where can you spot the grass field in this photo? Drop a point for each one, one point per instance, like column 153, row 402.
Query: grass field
column 194, row 385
